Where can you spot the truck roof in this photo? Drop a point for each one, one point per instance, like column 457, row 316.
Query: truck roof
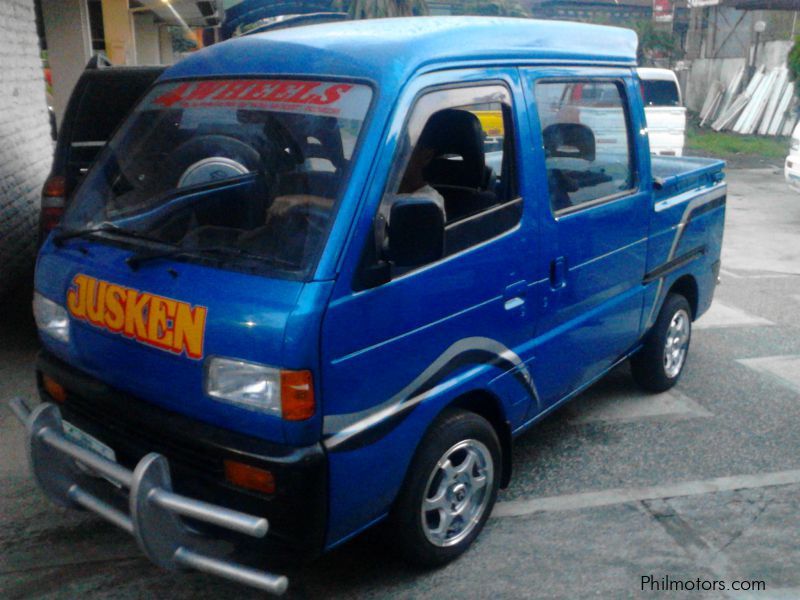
column 653, row 74
column 391, row 50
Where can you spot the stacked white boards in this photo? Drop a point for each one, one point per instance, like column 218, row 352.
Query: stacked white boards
column 765, row 106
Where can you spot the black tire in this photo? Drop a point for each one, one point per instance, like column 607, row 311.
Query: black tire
column 452, row 428
column 648, row 365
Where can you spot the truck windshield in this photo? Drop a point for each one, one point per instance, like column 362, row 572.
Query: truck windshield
column 251, row 165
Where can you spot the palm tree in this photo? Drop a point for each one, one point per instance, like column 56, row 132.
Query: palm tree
column 376, row 9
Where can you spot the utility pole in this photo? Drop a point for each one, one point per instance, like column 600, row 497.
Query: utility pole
column 759, row 28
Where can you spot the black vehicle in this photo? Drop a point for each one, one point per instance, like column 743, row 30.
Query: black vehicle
column 101, row 99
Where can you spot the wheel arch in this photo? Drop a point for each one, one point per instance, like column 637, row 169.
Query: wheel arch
column 686, row 286
column 487, row 405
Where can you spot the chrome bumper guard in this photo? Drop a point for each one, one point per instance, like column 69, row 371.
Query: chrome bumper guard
column 155, row 510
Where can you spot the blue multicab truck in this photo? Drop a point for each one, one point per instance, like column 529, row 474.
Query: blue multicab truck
column 302, row 291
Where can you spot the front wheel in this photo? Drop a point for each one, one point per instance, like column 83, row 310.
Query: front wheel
column 659, row 364
column 449, row 491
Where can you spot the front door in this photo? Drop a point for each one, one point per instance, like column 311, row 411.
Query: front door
column 406, row 336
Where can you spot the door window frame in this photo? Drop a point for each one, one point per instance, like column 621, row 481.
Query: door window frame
column 399, row 162
column 621, row 85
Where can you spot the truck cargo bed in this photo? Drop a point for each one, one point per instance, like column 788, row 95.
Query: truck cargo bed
column 673, row 175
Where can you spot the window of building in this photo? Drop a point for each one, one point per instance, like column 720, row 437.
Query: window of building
column 586, row 139
column 95, row 10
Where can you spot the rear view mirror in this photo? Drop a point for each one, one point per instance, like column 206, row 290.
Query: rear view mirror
column 416, row 232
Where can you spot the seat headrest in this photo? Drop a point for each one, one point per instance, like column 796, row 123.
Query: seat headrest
column 455, row 133
column 570, row 140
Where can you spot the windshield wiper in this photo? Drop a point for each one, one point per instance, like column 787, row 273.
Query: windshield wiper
column 106, row 227
column 136, row 260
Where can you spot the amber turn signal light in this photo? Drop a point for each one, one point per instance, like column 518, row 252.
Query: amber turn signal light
column 249, row 477
column 297, row 395
column 54, row 389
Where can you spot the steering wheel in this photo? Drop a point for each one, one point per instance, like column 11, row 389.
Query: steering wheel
column 315, row 218
column 210, row 158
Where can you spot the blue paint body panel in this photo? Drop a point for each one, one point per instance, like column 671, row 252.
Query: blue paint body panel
column 488, row 320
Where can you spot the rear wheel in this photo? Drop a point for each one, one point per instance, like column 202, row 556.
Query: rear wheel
column 659, row 364
column 449, row 491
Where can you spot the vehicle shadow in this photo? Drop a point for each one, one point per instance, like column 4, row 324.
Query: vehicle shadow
column 17, row 327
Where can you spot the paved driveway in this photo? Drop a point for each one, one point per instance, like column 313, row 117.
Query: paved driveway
column 699, row 485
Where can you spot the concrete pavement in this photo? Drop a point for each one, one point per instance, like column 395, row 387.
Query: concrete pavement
column 701, row 482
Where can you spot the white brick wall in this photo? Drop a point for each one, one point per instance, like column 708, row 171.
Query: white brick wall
column 25, row 145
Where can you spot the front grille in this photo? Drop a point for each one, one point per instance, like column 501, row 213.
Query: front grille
column 133, row 439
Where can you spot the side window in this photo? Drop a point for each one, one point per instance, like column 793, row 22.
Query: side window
column 585, row 133
column 457, row 150
column 660, row 93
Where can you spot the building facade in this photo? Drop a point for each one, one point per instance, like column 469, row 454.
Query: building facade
column 26, row 150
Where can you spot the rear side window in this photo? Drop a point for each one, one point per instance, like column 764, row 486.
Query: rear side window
column 105, row 99
column 587, row 143
column 104, row 103
column 660, row 93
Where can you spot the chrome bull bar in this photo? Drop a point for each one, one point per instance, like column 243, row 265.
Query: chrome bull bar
column 155, row 510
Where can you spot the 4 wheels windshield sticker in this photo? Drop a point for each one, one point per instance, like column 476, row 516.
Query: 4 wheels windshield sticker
column 344, row 100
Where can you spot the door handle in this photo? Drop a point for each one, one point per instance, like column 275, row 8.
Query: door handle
column 514, row 295
column 558, row 273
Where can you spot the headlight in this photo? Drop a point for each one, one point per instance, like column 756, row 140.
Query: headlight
column 51, row 318
column 287, row 394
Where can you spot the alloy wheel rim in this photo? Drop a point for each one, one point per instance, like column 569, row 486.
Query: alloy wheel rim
column 677, row 343
column 457, row 493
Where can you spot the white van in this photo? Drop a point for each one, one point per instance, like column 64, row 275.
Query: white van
column 664, row 111
column 791, row 169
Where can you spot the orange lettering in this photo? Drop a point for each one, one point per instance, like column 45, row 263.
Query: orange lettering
column 96, row 301
column 115, row 311
column 76, row 298
column 189, row 325
column 153, row 320
column 157, row 331
column 135, row 306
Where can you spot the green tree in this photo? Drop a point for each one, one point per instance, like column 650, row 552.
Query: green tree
column 181, row 42
column 376, row 9
column 498, row 8
column 793, row 62
column 654, row 42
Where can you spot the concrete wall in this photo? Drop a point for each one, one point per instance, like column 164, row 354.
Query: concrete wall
column 147, row 41
column 704, row 71
column 773, row 54
column 165, row 45
column 729, row 34
column 26, row 149
column 120, row 45
column 69, row 47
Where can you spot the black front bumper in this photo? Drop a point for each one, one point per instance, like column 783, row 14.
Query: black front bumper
column 297, row 511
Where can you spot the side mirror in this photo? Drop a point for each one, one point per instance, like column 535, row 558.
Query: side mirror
column 416, row 232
